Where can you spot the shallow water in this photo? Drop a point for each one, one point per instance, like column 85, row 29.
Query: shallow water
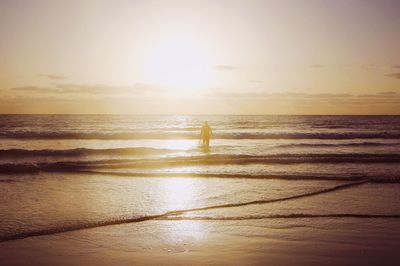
column 319, row 146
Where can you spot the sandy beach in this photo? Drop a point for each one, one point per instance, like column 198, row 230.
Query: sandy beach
column 261, row 242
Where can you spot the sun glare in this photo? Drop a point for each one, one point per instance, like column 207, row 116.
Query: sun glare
column 183, row 193
column 178, row 64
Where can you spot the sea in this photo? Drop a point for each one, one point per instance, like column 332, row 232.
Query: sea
column 62, row 173
column 320, row 147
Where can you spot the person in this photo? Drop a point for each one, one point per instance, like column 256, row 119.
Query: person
column 206, row 134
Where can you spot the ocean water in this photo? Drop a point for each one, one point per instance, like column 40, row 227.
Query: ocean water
column 289, row 146
column 60, row 173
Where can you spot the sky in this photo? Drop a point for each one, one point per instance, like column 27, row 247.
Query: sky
column 200, row 57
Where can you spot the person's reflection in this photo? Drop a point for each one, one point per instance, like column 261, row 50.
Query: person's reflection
column 206, row 134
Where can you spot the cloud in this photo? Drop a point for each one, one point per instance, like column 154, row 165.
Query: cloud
column 388, row 93
column 140, row 88
column 26, row 88
column 327, row 95
column 34, row 89
column 226, row 67
column 54, row 77
column 91, row 89
column 286, row 95
column 317, row 98
column 396, row 66
column 393, row 75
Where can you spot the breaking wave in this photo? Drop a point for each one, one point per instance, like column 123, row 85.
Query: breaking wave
column 83, row 152
column 112, row 171
column 214, row 159
column 337, row 145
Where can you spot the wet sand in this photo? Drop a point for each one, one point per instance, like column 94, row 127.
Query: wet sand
column 324, row 241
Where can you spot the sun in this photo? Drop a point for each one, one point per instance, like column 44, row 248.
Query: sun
column 179, row 64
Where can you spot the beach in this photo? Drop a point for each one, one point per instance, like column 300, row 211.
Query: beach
column 279, row 190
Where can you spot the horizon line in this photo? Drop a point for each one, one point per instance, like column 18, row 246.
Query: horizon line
column 172, row 114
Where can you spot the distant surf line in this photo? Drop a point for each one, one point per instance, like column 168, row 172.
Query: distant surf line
column 32, row 135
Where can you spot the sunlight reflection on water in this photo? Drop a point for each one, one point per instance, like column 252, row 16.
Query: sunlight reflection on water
column 180, row 193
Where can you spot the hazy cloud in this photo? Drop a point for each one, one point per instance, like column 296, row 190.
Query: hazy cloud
column 317, row 98
column 287, row 95
column 91, row 89
column 54, row 77
column 388, row 93
column 377, row 95
column 226, row 67
column 393, row 75
column 284, row 95
column 26, row 88
column 141, row 88
column 95, row 89
column 35, row 89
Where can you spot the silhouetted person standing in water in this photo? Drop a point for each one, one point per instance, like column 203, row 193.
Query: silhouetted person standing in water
column 205, row 135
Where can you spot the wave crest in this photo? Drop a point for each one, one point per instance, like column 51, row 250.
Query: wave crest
column 83, row 152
